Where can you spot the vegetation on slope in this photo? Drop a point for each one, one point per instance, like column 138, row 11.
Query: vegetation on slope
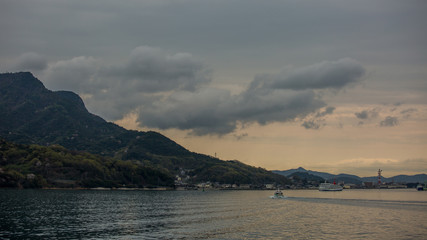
column 35, row 166
column 32, row 114
column 238, row 173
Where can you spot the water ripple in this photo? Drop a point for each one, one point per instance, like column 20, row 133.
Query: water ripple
column 42, row 214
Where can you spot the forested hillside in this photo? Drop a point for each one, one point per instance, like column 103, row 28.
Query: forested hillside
column 33, row 115
column 54, row 166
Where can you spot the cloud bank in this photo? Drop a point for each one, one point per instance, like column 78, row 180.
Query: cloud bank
column 326, row 74
column 31, row 61
column 216, row 111
column 150, row 70
column 173, row 91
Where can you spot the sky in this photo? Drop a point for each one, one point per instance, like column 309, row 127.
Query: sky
column 328, row 85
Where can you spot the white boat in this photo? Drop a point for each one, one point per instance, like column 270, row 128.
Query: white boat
column 329, row 187
column 420, row 187
column 278, row 195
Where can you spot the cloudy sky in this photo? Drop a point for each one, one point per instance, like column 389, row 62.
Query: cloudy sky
column 328, row 85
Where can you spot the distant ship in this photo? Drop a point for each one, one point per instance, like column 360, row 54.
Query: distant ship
column 329, row 187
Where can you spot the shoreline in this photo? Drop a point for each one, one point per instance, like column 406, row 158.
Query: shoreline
column 181, row 189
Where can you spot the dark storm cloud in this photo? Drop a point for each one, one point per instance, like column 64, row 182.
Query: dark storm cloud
column 227, row 35
column 265, row 105
column 389, row 122
column 333, row 75
column 76, row 74
column 113, row 90
column 151, row 70
column 31, row 61
column 172, row 91
column 214, row 111
column 203, row 112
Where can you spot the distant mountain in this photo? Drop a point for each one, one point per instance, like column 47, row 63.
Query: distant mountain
column 307, row 176
column 290, row 171
column 300, row 169
column 32, row 114
column 419, row 178
column 348, row 178
column 414, row 178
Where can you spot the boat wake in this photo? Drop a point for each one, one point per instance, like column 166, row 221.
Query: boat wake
column 392, row 204
column 278, row 195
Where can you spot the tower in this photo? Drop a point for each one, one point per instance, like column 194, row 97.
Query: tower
column 379, row 176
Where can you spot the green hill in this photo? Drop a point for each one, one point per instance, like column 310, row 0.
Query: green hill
column 32, row 114
column 35, row 166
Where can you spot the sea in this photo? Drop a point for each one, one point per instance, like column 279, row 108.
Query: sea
column 215, row 214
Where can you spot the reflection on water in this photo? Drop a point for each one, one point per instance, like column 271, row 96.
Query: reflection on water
column 377, row 198
column 350, row 214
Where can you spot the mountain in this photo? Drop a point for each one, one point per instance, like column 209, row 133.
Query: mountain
column 325, row 176
column 32, row 114
column 307, row 177
column 300, row 169
column 348, row 178
column 290, row 171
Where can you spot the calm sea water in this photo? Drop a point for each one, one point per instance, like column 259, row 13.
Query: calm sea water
column 305, row 214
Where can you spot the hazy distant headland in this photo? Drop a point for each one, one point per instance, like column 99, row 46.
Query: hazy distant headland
column 307, row 178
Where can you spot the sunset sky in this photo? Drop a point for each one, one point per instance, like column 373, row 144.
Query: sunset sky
column 328, row 85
